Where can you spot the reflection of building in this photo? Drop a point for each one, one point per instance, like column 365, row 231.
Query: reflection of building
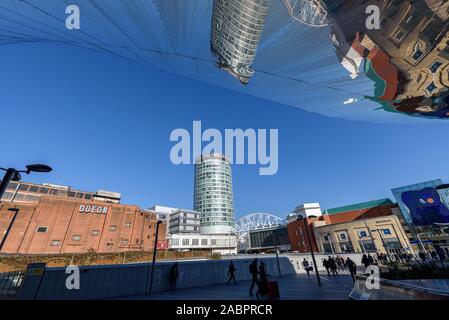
column 382, row 234
column 237, row 26
column 266, row 239
column 65, row 224
column 213, row 196
column 220, row 243
column 407, row 58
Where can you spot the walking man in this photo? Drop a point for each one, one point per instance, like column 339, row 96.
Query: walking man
column 326, row 265
column 306, row 266
column 253, row 272
column 352, row 268
column 231, row 271
column 173, row 276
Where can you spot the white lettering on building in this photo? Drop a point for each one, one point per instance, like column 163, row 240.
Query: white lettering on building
column 93, row 209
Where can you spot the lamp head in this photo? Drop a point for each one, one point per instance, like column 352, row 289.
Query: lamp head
column 38, row 168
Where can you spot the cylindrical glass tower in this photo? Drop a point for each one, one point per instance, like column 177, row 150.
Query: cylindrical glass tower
column 237, row 27
column 213, row 196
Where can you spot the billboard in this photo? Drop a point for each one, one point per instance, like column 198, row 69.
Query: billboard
column 422, row 204
column 425, row 206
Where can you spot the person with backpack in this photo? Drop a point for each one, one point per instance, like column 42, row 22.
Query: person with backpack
column 326, row 265
column 352, row 268
column 253, row 272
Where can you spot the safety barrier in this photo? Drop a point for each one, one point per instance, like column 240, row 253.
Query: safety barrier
column 113, row 281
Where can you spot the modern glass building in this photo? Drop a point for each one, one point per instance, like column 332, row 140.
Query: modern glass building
column 398, row 194
column 237, row 27
column 213, row 195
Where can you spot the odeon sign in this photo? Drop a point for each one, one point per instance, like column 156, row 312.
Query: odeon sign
column 93, row 209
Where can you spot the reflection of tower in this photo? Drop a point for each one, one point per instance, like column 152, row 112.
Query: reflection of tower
column 237, row 26
column 213, row 194
column 308, row 12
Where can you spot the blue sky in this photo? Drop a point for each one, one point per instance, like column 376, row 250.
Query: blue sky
column 104, row 123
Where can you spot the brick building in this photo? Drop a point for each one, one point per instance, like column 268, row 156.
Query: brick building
column 51, row 224
column 314, row 217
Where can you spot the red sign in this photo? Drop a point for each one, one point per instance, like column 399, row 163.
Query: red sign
column 162, row 245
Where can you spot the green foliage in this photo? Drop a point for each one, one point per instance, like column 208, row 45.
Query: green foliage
column 398, row 271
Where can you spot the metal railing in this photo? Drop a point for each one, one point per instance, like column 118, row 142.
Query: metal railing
column 10, row 282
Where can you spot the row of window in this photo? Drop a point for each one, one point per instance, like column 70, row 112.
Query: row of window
column 342, row 236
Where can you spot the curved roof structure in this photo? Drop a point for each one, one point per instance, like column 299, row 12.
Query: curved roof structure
column 296, row 63
column 256, row 221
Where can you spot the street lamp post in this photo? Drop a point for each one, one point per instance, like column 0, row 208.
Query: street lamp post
column 276, row 250
column 310, row 246
column 14, row 174
column 16, row 211
column 154, row 255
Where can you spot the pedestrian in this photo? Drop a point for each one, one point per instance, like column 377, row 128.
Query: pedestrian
column 173, row 276
column 306, row 266
column 365, row 261
column 333, row 266
column 352, row 268
column 370, row 259
column 262, row 288
column 231, row 273
column 253, row 272
column 326, row 265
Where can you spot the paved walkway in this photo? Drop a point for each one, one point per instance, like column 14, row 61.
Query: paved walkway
column 292, row 287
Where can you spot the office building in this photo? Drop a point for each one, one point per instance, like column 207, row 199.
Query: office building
column 266, row 240
column 213, row 195
column 214, row 243
column 237, row 27
column 26, row 192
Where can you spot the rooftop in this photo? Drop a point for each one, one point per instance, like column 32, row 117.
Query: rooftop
column 360, row 206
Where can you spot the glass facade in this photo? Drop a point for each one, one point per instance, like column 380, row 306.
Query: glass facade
column 237, row 26
column 264, row 239
column 213, row 195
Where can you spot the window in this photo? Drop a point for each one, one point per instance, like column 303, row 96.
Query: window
column 204, row 242
column 124, row 241
column 195, row 242
column 34, row 189
column 343, row 236
column 76, row 237
column 43, row 190
column 417, row 54
column 362, row 234
column 185, row 242
column 128, row 224
column 326, row 238
column 434, row 66
column 113, row 228
column 72, row 194
column 23, row 187
column 213, row 242
column 431, row 87
column 174, row 242
column 386, row 231
column 95, row 233
column 42, row 229
column 399, row 35
column 55, row 243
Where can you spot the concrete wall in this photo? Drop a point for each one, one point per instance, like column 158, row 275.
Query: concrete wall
column 112, row 281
